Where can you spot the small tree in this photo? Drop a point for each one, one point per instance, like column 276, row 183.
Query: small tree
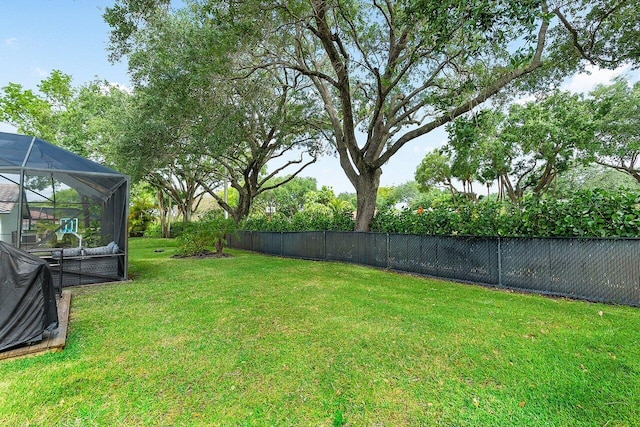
column 209, row 231
column 220, row 227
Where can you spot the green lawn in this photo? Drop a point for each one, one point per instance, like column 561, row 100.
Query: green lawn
column 253, row 340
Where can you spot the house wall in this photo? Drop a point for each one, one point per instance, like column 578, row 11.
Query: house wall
column 9, row 224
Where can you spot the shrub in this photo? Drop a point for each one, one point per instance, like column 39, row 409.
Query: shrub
column 140, row 216
column 219, row 227
column 210, row 231
column 153, row 230
column 195, row 240
column 313, row 220
column 589, row 213
column 177, row 228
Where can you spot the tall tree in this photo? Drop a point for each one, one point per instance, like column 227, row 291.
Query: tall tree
column 79, row 119
column 397, row 70
column 540, row 141
column 525, row 149
column 435, row 170
column 465, row 148
column 241, row 131
column 393, row 71
column 287, row 199
column 145, row 148
column 40, row 113
column 616, row 114
column 275, row 133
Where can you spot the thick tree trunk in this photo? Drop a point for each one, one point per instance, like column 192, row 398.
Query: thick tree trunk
column 219, row 245
column 165, row 225
column 366, row 193
column 244, row 205
column 185, row 212
column 545, row 179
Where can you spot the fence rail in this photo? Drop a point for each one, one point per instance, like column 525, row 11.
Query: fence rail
column 603, row 270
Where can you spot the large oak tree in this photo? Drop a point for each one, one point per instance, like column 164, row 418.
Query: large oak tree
column 243, row 131
column 388, row 72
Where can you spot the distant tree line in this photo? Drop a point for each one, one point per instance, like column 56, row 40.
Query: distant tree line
column 528, row 147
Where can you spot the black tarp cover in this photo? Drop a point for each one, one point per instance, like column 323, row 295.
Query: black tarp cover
column 27, row 298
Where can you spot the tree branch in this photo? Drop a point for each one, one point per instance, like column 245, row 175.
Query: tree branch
column 485, row 94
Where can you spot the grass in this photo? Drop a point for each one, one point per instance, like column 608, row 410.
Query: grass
column 252, row 340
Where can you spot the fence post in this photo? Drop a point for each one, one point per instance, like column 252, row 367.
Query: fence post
column 388, row 255
column 324, row 245
column 499, row 263
column 281, row 243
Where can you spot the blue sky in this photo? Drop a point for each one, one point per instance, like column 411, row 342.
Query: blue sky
column 38, row 36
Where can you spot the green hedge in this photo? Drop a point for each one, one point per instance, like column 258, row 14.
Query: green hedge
column 301, row 221
column 590, row 213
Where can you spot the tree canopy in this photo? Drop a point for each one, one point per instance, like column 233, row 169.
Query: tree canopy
column 528, row 147
column 616, row 116
column 77, row 118
column 389, row 72
column 222, row 128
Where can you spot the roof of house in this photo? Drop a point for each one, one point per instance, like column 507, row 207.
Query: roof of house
column 39, row 214
column 9, row 194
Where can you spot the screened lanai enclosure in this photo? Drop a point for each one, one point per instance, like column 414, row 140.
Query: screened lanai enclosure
column 64, row 208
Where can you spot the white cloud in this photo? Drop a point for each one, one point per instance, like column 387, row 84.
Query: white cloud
column 39, row 72
column 11, row 41
column 593, row 76
column 523, row 101
column 427, row 146
column 119, row 86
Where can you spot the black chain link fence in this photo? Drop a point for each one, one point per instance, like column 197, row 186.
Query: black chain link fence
column 603, row 270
